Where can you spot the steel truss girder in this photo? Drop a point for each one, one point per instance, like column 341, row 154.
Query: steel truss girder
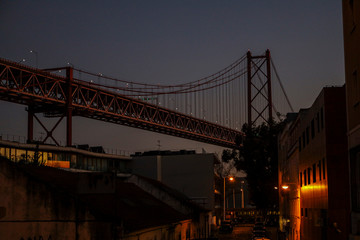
column 48, row 92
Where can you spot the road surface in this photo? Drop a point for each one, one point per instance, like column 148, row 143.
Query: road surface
column 244, row 232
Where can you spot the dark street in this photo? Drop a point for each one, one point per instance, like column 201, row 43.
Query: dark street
column 244, row 232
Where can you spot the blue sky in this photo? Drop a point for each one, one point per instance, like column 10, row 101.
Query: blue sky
column 171, row 42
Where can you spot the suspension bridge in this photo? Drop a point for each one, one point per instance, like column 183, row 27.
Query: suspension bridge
column 211, row 109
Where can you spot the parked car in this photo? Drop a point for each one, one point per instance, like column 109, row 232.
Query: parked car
column 260, row 238
column 226, row 227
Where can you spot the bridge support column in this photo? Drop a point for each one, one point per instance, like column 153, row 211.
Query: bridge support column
column 30, row 126
column 69, row 76
column 259, row 88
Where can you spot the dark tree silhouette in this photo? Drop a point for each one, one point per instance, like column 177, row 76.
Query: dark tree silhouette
column 258, row 157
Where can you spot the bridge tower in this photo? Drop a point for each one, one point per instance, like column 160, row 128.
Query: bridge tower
column 259, row 88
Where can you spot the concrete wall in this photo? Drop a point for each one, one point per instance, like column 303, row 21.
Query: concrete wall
column 181, row 231
column 33, row 210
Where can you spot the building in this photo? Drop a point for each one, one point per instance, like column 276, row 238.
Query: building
column 39, row 202
column 322, row 169
column 351, row 32
column 186, row 171
column 289, row 189
column 85, row 157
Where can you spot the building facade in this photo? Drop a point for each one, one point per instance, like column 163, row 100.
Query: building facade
column 289, row 188
column 323, row 174
column 64, row 157
column 351, row 32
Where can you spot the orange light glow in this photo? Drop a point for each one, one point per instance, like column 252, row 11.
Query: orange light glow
column 231, row 178
column 285, row 187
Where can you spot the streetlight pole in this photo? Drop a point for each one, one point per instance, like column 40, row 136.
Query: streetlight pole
column 234, row 198
column 242, row 195
column 224, row 201
column 224, row 207
column 242, row 198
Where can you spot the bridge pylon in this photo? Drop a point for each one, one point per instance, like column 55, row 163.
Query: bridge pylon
column 259, row 88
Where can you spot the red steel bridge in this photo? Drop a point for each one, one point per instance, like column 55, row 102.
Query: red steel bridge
column 210, row 110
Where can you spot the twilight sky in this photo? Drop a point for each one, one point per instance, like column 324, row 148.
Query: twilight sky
column 170, row 42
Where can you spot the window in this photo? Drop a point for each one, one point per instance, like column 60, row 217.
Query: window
column 323, row 165
column 305, row 177
column 309, row 175
column 312, row 129
column 306, row 212
column 314, row 172
column 302, row 212
column 301, row 179
column 319, row 166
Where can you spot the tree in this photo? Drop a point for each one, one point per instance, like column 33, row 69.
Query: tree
column 258, row 158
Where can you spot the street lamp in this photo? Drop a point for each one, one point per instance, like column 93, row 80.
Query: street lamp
column 224, row 207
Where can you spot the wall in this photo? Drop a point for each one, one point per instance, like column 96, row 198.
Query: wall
column 351, row 31
column 178, row 231
column 33, row 210
column 324, row 168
